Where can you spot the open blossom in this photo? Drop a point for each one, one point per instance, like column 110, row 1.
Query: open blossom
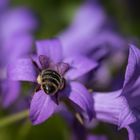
column 122, row 107
column 16, row 39
column 55, row 79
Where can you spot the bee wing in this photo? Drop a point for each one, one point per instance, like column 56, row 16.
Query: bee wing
column 44, row 61
column 62, row 68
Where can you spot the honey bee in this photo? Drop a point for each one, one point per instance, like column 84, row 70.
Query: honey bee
column 50, row 81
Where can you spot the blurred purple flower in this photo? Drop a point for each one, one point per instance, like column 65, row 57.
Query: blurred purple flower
column 122, row 107
column 91, row 34
column 87, row 32
column 16, row 26
column 82, row 29
column 49, row 57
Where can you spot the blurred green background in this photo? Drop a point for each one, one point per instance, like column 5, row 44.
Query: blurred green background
column 54, row 16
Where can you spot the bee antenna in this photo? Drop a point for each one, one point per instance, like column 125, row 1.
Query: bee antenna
column 35, row 64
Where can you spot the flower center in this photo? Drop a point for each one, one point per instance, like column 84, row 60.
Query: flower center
column 51, row 81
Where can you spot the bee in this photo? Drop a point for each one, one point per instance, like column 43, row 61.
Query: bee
column 51, row 81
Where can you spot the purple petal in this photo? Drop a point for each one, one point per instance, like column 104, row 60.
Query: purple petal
column 20, row 45
column 16, row 25
column 94, row 137
column 17, row 21
column 113, row 108
column 23, row 70
column 11, row 91
column 131, row 134
column 3, row 4
column 130, row 93
column 107, row 107
column 79, row 65
column 131, row 86
column 134, row 130
column 42, row 107
column 111, row 39
column 132, row 70
column 50, row 48
column 79, row 95
column 84, row 27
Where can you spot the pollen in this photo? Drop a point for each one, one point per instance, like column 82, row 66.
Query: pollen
column 39, row 79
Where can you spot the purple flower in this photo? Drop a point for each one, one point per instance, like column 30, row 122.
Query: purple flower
column 122, row 107
column 16, row 38
column 88, row 33
column 17, row 21
column 61, row 81
column 85, row 24
column 91, row 34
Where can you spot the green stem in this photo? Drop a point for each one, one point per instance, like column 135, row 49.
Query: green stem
column 13, row 118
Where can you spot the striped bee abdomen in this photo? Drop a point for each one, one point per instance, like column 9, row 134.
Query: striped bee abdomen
column 51, row 81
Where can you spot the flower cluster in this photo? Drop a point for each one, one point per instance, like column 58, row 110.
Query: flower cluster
column 69, row 73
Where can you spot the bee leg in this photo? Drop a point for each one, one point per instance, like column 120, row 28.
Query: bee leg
column 56, row 99
column 62, row 84
column 36, row 65
column 38, row 87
